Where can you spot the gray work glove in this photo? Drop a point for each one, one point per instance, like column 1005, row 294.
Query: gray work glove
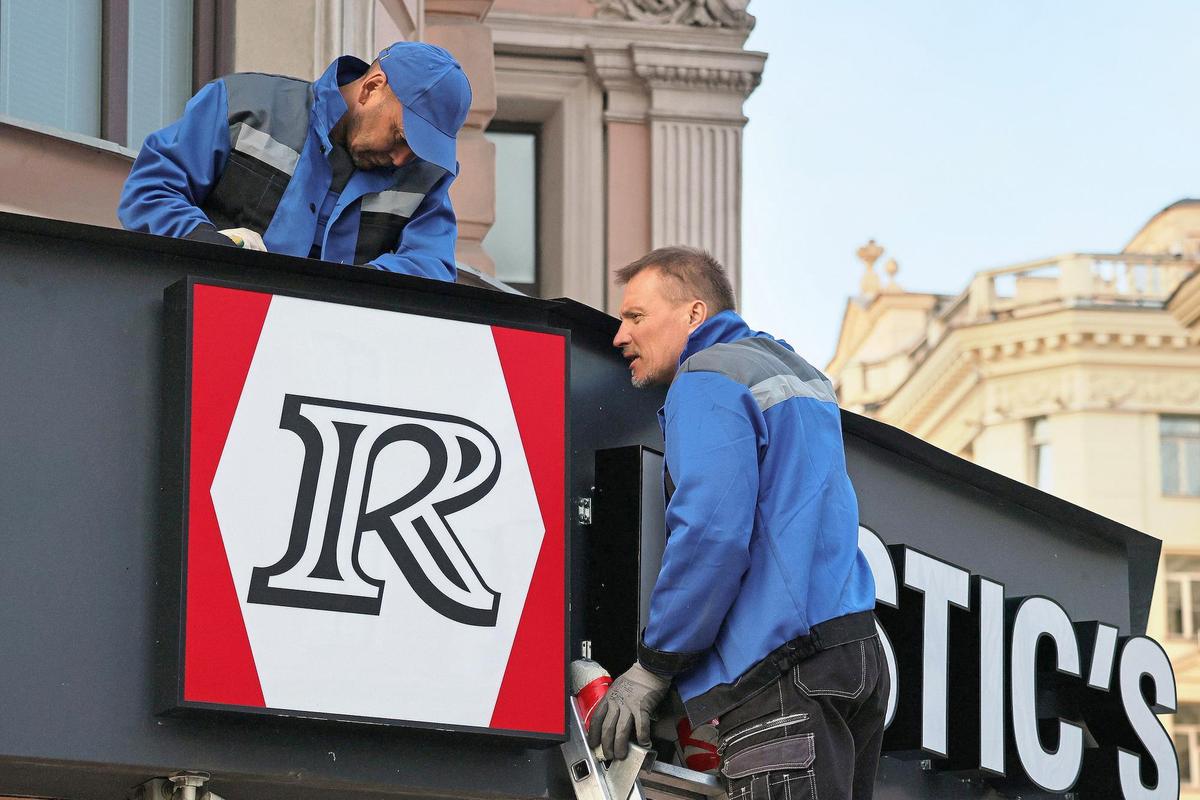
column 627, row 708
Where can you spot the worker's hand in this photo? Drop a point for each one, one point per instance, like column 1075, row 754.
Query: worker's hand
column 244, row 237
column 627, row 708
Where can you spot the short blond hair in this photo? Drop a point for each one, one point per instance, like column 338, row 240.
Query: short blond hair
column 694, row 273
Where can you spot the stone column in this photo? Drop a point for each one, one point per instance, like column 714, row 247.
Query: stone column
column 627, row 162
column 696, row 123
column 343, row 27
column 457, row 25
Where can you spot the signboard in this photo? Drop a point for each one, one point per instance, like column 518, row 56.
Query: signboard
column 1013, row 689
column 373, row 509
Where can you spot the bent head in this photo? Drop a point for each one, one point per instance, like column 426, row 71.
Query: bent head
column 374, row 122
column 409, row 104
column 669, row 293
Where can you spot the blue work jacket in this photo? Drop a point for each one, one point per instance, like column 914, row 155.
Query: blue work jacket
column 179, row 166
column 762, row 519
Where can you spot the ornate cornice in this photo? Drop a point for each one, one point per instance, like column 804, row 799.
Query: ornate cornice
column 1185, row 304
column 1002, row 357
column 697, row 13
column 703, row 78
column 731, row 74
column 1078, row 388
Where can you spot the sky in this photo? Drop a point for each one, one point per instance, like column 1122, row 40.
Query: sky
column 960, row 136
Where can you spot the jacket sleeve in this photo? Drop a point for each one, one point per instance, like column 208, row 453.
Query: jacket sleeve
column 177, row 167
column 426, row 246
column 713, row 433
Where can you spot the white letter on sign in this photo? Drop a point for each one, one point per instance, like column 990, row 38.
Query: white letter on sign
column 389, row 471
column 991, row 675
column 942, row 584
column 1142, row 657
column 1038, row 617
column 880, row 560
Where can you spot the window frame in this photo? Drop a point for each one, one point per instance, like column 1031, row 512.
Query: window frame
column 562, row 96
column 1188, row 582
column 1183, row 441
column 1192, row 733
column 506, row 126
column 212, row 56
column 1040, row 441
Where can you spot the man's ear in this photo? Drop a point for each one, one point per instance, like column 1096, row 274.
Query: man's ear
column 371, row 84
column 697, row 314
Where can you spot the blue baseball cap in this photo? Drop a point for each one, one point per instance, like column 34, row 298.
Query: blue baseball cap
column 435, row 95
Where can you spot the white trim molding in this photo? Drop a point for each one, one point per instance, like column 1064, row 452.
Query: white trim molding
column 562, row 98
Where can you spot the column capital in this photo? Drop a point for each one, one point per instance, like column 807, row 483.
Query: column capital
column 473, row 10
column 613, row 69
column 697, row 84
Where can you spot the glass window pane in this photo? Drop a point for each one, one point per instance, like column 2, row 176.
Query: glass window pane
column 1177, row 565
column 1191, row 592
column 512, row 240
column 1168, row 450
column 1191, row 468
column 1043, row 468
column 1184, row 752
column 50, row 63
column 1179, row 426
column 1175, row 608
column 160, row 64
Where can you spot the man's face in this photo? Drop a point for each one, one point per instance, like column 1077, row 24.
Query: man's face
column 375, row 128
column 654, row 327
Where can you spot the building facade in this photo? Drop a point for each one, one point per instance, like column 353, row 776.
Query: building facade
column 1078, row 374
column 599, row 129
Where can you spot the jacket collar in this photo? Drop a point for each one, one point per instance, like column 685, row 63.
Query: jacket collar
column 720, row 329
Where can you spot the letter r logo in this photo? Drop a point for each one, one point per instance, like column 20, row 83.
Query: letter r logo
column 398, row 474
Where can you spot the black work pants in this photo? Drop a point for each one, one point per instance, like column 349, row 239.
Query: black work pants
column 816, row 733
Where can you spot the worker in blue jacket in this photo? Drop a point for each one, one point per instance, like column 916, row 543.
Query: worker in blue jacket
column 762, row 613
column 354, row 167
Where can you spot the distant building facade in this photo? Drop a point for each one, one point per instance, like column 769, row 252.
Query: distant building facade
column 599, row 128
column 1079, row 375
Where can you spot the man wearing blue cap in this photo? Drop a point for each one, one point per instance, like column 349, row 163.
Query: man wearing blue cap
column 355, row 167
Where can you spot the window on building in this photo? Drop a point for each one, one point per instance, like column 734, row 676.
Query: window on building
column 112, row 69
column 512, row 241
column 159, row 65
column 1183, row 596
column 1179, row 453
column 1040, row 454
column 50, row 62
column 1187, row 743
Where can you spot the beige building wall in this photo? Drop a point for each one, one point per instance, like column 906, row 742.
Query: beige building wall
column 650, row 152
column 637, row 106
column 1098, row 346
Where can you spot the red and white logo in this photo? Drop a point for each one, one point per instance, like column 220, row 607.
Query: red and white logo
column 375, row 514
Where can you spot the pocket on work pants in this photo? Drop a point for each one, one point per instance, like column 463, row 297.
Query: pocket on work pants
column 780, row 769
column 843, row 672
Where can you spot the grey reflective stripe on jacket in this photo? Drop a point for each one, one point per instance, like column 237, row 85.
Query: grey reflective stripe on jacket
column 384, row 214
column 769, row 370
column 258, row 144
column 268, row 125
column 402, row 204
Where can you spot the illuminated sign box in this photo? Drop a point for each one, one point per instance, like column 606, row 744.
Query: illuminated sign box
column 374, row 514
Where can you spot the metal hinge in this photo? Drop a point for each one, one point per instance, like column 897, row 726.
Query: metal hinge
column 583, row 510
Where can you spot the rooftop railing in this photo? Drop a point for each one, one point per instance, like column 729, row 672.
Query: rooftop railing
column 1078, row 279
